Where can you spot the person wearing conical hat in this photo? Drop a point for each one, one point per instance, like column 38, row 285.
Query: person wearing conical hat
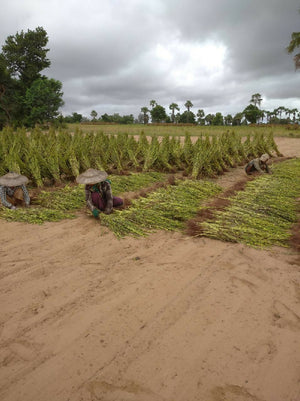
column 13, row 191
column 258, row 165
column 98, row 193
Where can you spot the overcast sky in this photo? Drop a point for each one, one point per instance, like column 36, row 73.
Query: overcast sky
column 114, row 56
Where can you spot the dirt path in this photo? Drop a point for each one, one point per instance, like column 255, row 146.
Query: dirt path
column 87, row 317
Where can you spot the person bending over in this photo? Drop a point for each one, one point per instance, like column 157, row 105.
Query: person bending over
column 98, row 192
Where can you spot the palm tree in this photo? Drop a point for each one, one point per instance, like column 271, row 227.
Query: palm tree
column 209, row 118
column 288, row 113
column 173, row 107
column 294, row 43
column 188, row 104
column 256, row 99
column 93, row 115
column 145, row 110
column 228, row 119
column 153, row 103
column 200, row 115
column 280, row 110
column 294, row 111
column 269, row 115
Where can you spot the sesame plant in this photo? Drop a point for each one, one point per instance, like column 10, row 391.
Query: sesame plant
column 55, row 156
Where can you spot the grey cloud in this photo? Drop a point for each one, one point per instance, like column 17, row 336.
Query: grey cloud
column 105, row 53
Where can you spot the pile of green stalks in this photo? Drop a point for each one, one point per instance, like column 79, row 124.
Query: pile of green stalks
column 49, row 206
column 62, row 203
column 263, row 214
column 34, row 215
column 165, row 209
column 134, row 181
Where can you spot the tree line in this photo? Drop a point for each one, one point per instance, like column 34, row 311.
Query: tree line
column 156, row 113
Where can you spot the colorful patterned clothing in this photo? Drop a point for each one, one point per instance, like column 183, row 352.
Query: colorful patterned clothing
column 9, row 191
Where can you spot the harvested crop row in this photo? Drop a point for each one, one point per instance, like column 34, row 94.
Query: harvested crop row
column 62, row 203
column 165, row 209
column 264, row 213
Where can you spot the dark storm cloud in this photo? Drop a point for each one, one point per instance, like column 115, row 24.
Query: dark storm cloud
column 117, row 55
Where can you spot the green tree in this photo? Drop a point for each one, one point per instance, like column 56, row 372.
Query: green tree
column 42, row 101
column 294, row 112
column 7, row 94
column 218, row 119
column 173, row 107
column 237, row 119
column 256, row 99
column 209, row 118
column 201, row 115
column 158, row 114
column 187, row 117
column 188, row 104
column 76, row 117
column 24, row 88
column 145, row 112
column 93, row 115
column 228, row 119
column 25, row 55
column 252, row 113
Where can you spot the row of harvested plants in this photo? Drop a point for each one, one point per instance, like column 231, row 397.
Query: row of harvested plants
column 53, row 156
column 260, row 215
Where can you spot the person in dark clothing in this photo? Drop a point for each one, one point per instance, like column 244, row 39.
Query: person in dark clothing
column 98, row 193
column 258, row 165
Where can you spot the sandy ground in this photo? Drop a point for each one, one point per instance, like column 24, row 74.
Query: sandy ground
column 85, row 316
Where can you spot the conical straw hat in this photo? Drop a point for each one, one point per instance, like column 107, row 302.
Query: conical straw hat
column 264, row 157
column 91, row 176
column 13, row 179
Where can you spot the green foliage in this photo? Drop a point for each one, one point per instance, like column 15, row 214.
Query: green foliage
column 27, row 97
column 34, row 215
column 59, row 155
column 252, row 113
column 158, row 114
column 165, row 209
column 263, row 214
column 25, row 55
column 187, row 117
column 42, row 101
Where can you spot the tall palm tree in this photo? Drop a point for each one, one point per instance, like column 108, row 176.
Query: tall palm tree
column 280, row 110
column 173, row 107
column 188, row 104
column 294, row 111
column 145, row 110
column 256, row 99
column 201, row 115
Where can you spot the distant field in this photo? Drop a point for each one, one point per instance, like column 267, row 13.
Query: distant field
column 163, row 130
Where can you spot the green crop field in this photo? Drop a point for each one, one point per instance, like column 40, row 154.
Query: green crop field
column 261, row 215
column 180, row 130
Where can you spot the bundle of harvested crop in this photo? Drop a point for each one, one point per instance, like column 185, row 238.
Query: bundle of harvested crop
column 165, row 209
column 264, row 213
